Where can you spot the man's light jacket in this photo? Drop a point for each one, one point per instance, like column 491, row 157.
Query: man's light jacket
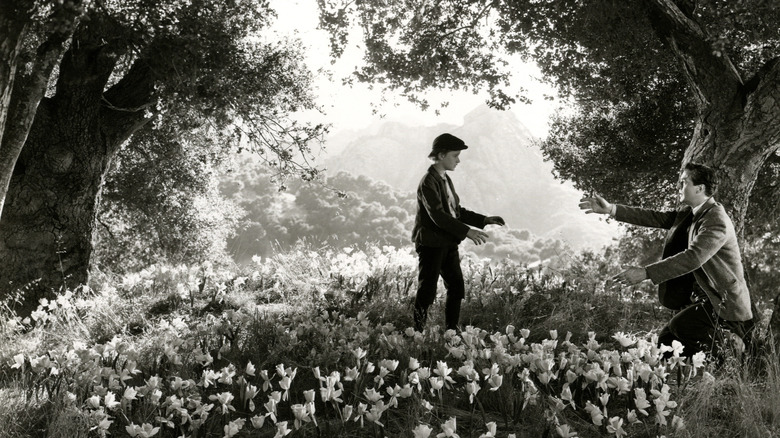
column 712, row 255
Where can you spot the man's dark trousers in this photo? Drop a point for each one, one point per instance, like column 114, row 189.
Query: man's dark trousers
column 433, row 262
column 699, row 328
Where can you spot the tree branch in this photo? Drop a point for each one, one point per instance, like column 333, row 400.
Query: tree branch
column 709, row 71
column 124, row 104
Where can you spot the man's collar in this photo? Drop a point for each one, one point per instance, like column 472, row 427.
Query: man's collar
column 699, row 207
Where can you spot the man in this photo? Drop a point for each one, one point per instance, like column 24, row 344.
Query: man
column 439, row 227
column 712, row 255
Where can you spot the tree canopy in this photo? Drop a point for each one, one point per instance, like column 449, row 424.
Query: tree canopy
column 169, row 69
column 653, row 82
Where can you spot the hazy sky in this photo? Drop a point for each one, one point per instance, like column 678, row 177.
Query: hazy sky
column 350, row 108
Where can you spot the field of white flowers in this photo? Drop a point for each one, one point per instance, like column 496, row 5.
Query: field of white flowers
column 317, row 343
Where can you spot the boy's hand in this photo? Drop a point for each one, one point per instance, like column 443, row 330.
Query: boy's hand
column 495, row 220
column 477, row 236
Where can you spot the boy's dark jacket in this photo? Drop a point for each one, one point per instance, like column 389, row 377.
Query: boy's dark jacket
column 434, row 224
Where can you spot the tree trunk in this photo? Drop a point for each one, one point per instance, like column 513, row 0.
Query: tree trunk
column 12, row 29
column 739, row 138
column 47, row 229
column 20, row 96
column 737, row 128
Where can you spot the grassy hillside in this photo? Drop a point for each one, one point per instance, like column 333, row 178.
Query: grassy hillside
column 317, row 342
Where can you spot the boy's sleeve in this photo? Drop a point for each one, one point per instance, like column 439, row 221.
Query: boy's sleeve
column 431, row 199
column 471, row 218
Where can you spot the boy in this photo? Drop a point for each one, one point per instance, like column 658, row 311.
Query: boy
column 439, row 227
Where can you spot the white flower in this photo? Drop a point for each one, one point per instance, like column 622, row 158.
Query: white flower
column 391, row 365
column 94, row 401
column 130, row 393
column 110, row 401
column 564, row 431
column 224, row 400
column 281, row 429
column 472, row 388
column 422, row 431
column 491, row 430
column 346, row 412
column 595, row 413
column 359, row 353
column 257, row 421
column 18, row 361
column 250, row 369
column 233, row 427
column 678, row 423
column 625, row 340
column 448, row 429
column 144, row 431
column 495, row 382
column 351, row 374
column 615, row 426
column 640, row 400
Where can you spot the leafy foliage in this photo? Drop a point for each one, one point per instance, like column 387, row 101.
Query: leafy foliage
column 161, row 202
column 634, row 110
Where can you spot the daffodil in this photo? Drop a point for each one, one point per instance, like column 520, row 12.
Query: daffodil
column 257, row 421
column 624, row 339
column 422, row 431
column 282, row 430
column 232, row 428
column 448, row 429
column 472, row 388
column 351, row 374
column 375, row 413
column 565, row 431
column 491, row 430
column 596, row 415
column 224, row 399
column 301, row 415
column 372, row 395
column 615, row 426
column 110, row 401
column 145, row 430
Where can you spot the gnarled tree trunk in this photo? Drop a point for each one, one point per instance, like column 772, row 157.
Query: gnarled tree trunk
column 20, row 95
column 46, row 231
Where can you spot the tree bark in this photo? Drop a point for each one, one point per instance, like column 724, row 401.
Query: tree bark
column 13, row 25
column 736, row 130
column 46, row 232
column 20, row 96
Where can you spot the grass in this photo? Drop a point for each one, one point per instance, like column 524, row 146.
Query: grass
column 167, row 346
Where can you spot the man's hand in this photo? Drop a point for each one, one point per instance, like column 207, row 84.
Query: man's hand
column 595, row 204
column 477, row 236
column 495, row 220
column 632, row 275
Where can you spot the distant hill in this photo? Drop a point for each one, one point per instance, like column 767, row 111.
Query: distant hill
column 502, row 172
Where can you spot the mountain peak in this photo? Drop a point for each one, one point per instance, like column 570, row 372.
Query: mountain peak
column 486, row 116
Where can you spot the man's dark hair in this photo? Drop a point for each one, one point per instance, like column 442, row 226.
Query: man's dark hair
column 701, row 174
